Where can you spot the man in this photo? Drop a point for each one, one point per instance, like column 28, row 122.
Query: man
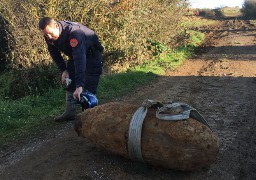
column 84, row 66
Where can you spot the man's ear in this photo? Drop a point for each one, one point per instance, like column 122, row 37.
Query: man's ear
column 56, row 25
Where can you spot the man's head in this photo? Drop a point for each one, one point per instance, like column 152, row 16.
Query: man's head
column 49, row 28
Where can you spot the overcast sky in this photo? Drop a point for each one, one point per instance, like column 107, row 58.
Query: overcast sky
column 215, row 3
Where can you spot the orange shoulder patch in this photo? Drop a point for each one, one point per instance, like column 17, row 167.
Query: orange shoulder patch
column 73, row 42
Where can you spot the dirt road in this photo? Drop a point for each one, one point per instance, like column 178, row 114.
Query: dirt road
column 220, row 83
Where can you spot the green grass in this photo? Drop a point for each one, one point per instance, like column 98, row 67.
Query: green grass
column 29, row 114
column 119, row 84
column 21, row 116
column 229, row 11
column 199, row 22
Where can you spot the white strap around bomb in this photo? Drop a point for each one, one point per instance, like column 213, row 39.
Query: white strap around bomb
column 134, row 140
column 135, row 129
column 172, row 111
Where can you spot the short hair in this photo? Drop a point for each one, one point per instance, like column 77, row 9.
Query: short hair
column 45, row 21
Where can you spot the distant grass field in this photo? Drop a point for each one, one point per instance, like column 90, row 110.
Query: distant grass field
column 198, row 22
column 231, row 11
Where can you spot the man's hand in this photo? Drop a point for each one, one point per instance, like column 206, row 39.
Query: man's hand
column 77, row 93
column 64, row 75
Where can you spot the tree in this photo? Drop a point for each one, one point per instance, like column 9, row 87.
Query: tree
column 249, row 9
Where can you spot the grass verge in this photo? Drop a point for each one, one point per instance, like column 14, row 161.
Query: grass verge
column 199, row 22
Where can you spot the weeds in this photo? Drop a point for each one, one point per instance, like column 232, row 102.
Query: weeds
column 24, row 115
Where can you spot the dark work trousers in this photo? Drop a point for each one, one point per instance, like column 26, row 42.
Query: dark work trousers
column 92, row 72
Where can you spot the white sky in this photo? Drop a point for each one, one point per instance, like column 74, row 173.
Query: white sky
column 215, row 3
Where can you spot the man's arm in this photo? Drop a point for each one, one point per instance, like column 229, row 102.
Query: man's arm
column 79, row 56
column 78, row 45
column 57, row 58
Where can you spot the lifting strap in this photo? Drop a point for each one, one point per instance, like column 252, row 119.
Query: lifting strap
column 168, row 112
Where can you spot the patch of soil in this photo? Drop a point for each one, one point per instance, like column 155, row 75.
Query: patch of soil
column 220, row 83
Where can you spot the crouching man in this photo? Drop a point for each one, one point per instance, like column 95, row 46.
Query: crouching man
column 84, row 66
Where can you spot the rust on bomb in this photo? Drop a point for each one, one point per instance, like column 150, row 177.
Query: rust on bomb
column 188, row 144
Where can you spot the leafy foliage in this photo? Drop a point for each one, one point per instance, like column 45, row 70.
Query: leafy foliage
column 124, row 26
column 128, row 29
column 28, row 114
column 33, row 81
column 249, row 9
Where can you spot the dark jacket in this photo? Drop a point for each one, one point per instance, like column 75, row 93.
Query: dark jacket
column 79, row 43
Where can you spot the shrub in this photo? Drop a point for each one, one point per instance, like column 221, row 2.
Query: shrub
column 126, row 29
column 249, row 8
column 124, row 26
column 32, row 81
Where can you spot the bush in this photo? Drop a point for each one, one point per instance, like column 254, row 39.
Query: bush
column 4, row 46
column 249, row 9
column 124, row 26
column 207, row 13
column 126, row 29
column 33, row 81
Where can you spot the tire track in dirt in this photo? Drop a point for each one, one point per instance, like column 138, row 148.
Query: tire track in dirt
column 221, row 85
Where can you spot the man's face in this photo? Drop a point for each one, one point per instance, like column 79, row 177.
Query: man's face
column 51, row 31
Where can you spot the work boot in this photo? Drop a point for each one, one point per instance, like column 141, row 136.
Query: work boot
column 70, row 111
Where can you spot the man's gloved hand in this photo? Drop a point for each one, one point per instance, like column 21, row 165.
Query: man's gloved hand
column 77, row 93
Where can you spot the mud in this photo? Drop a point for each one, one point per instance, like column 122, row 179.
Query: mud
column 220, row 83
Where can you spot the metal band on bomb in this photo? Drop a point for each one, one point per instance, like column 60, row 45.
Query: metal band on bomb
column 168, row 112
column 185, row 145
